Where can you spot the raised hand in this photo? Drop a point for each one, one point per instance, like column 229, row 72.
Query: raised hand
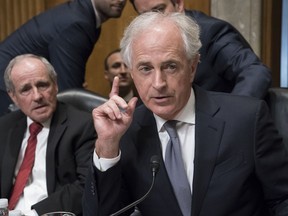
column 111, row 120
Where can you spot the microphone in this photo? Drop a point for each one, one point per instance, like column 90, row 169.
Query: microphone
column 154, row 164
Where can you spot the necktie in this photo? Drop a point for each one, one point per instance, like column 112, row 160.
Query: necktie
column 26, row 166
column 175, row 168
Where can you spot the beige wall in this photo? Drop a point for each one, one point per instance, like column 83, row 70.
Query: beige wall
column 245, row 15
column 13, row 13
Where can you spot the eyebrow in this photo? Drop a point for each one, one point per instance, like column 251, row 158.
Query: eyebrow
column 143, row 63
column 155, row 8
column 117, row 63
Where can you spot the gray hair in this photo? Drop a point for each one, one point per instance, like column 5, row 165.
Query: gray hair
column 7, row 74
column 188, row 28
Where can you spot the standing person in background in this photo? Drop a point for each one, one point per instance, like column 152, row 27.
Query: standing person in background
column 65, row 35
column 115, row 66
column 227, row 62
column 219, row 154
column 64, row 142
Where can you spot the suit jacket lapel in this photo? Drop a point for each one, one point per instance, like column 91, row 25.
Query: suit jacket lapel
column 15, row 135
column 208, row 132
column 57, row 128
column 148, row 132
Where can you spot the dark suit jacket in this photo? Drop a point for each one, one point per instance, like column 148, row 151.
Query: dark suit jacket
column 70, row 143
column 65, row 35
column 240, row 165
column 227, row 62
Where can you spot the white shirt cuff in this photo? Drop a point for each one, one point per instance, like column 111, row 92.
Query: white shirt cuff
column 103, row 164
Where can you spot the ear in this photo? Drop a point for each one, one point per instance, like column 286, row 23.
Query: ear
column 56, row 86
column 106, row 75
column 194, row 65
column 179, row 5
column 131, row 74
column 13, row 97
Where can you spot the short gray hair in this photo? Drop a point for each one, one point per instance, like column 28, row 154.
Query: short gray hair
column 188, row 28
column 7, row 74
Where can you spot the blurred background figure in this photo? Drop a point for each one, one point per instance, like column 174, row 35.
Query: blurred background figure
column 114, row 66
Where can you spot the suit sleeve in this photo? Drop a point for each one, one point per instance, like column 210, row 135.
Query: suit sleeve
column 102, row 191
column 69, row 53
column 231, row 55
column 271, row 160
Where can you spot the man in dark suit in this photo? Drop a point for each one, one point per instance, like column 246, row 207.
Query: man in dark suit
column 233, row 160
column 63, row 146
column 227, row 62
column 65, row 35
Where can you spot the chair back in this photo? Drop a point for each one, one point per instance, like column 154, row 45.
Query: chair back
column 81, row 98
column 277, row 100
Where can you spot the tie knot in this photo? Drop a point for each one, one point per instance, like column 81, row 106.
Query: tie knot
column 35, row 128
column 170, row 127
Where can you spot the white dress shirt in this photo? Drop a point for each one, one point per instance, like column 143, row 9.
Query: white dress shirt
column 186, row 132
column 98, row 20
column 129, row 96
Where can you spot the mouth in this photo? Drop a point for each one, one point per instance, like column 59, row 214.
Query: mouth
column 118, row 7
column 123, row 79
column 161, row 99
column 40, row 107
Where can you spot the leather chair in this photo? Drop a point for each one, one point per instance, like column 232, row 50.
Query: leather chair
column 277, row 100
column 81, row 98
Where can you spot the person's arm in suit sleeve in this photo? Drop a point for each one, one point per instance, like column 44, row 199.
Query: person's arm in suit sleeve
column 102, row 194
column 231, row 55
column 271, row 163
column 102, row 191
column 69, row 53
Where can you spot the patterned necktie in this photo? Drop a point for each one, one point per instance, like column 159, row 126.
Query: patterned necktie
column 175, row 168
column 26, row 166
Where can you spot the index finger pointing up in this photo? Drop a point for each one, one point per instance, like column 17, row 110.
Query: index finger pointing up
column 115, row 87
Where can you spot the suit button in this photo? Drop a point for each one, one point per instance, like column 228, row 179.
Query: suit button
column 92, row 188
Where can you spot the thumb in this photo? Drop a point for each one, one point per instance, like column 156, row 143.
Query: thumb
column 132, row 105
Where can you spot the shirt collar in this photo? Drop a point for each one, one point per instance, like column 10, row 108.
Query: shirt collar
column 128, row 96
column 45, row 124
column 98, row 20
column 186, row 115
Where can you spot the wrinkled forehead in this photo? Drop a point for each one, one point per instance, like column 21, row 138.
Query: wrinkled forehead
column 157, row 40
column 26, row 65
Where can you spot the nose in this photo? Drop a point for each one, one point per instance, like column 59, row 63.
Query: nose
column 36, row 94
column 159, row 80
column 123, row 68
